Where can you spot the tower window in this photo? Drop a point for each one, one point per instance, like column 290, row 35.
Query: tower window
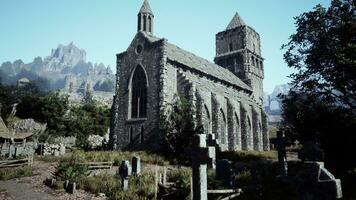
column 231, row 48
column 144, row 23
column 139, row 22
column 149, row 24
column 252, row 61
column 139, row 94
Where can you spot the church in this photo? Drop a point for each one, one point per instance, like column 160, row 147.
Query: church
column 227, row 94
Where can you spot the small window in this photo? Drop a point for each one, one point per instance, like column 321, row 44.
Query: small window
column 139, row 49
column 231, row 48
column 252, row 61
column 261, row 64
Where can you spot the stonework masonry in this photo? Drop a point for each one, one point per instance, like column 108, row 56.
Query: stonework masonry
column 227, row 95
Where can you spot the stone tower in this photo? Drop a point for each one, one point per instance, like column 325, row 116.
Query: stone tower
column 238, row 49
column 145, row 18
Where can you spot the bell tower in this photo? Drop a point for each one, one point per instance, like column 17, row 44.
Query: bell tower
column 238, row 49
column 145, row 18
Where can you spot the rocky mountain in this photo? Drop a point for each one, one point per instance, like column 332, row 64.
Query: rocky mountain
column 272, row 103
column 65, row 68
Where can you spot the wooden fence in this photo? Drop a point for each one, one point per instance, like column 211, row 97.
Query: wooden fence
column 98, row 165
column 16, row 163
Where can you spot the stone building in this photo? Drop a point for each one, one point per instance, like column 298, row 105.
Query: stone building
column 227, row 95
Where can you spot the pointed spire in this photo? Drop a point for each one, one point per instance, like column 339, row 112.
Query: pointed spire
column 236, row 22
column 146, row 8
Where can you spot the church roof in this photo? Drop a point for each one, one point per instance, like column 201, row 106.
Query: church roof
column 174, row 53
column 235, row 22
column 146, row 8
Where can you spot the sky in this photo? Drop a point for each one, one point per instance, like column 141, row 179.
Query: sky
column 30, row 28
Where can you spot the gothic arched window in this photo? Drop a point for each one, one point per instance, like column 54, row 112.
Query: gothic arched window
column 139, row 94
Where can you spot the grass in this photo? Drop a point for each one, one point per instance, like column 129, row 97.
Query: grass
column 11, row 173
column 105, row 156
column 248, row 156
column 139, row 188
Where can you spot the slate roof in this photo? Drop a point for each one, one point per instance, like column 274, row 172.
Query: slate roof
column 4, row 131
column 190, row 60
column 146, row 8
column 236, row 22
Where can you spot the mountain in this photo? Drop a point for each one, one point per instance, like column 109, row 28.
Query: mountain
column 65, row 68
column 272, row 103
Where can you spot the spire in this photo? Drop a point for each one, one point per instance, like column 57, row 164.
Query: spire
column 146, row 8
column 236, row 22
column 145, row 18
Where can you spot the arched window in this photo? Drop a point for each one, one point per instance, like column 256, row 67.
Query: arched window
column 237, row 129
column 144, row 23
column 149, row 24
column 139, row 22
column 139, row 94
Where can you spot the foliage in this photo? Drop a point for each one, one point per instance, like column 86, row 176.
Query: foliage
column 177, row 128
column 87, row 119
column 322, row 101
column 71, row 170
column 11, row 173
column 10, row 95
column 106, row 156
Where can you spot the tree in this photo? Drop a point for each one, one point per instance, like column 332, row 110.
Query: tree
column 177, row 128
column 321, row 105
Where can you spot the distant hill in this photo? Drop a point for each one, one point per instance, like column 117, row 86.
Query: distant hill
column 272, row 103
column 65, row 68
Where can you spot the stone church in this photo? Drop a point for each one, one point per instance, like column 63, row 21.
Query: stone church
column 227, row 95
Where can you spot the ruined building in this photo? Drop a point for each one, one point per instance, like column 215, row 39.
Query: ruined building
column 227, row 94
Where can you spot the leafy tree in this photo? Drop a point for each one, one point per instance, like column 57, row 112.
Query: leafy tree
column 321, row 105
column 177, row 129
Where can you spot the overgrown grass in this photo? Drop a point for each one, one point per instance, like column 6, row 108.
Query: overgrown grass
column 106, row 156
column 11, row 173
column 139, row 187
column 248, row 156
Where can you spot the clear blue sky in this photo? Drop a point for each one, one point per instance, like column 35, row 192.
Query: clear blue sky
column 30, row 28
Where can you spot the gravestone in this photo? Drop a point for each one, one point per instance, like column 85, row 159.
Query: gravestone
column 125, row 173
column 136, row 165
column 62, row 150
column 314, row 182
column 282, row 155
column 224, row 172
column 19, row 151
column 199, row 153
column 11, row 150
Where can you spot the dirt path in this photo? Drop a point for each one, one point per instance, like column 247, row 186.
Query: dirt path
column 33, row 188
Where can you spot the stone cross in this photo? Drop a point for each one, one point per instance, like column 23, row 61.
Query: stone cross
column 211, row 141
column 224, row 172
column 136, row 165
column 200, row 157
column 125, row 172
column 282, row 155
